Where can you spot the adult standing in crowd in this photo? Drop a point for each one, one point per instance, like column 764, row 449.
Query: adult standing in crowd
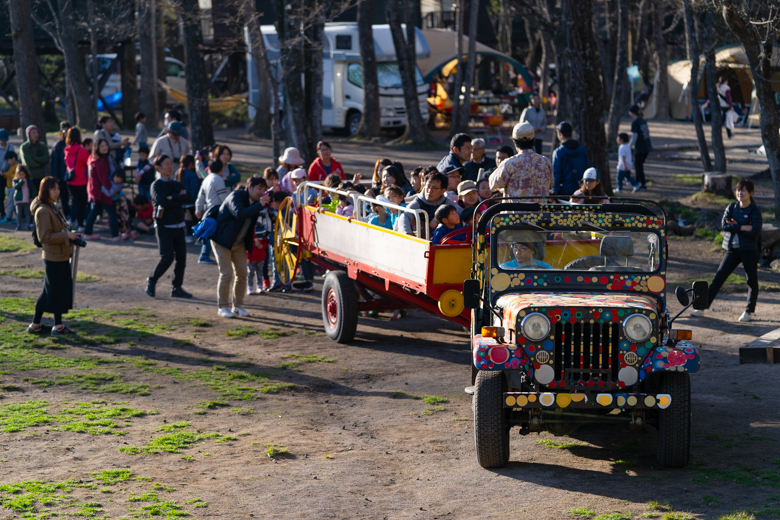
column 640, row 140
column 230, row 173
column 35, row 156
column 173, row 144
column 325, row 164
column 58, row 168
column 101, row 169
column 52, row 231
column 170, row 117
column 725, row 101
column 77, row 161
column 233, row 238
column 536, row 115
column 104, row 128
column 742, row 222
column 479, row 160
column 569, row 161
column 527, row 174
column 168, row 196
column 460, row 152
column 5, row 147
column 287, row 163
column 211, row 195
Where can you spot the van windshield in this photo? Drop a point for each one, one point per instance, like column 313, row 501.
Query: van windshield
column 387, row 73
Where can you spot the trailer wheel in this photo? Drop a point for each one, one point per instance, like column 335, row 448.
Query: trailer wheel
column 491, row 431
column 674, row 423
column 339, row 307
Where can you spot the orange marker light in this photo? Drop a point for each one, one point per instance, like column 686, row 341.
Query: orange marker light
column 492, row 332
column 681, row 335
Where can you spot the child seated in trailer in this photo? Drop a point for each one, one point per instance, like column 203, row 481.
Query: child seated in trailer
column 380, row 216
column 449, row 221
column 467, row 216
column 417, row 179
column 396, row 196
column 467, row 194
column 345, row 208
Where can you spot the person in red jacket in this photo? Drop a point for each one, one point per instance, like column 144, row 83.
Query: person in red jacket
column 101, row 169
column 76, row 159
column 325, row 164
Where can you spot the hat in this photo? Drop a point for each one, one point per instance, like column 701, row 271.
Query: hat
column 291, row 156
column 523, row 131
column 175, row 128
column 298, row 173
column 3, row 134
column 451, row 169
column 565, row 128
column 591, row 174
column 383, row 199
column 466, row 187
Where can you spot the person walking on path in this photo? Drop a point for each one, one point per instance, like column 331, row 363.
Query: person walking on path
column 325, row 164
column 479, row 161
column 640, row 140
column 569, row 161
column 173, row 144
column 536, row 115
column 527, row 174
column 460, row 152
column 232, row 239
column 35, row 156
column 212, row 194
column 741, row 226
column 55, row 237
column 59, row 169
column 168, row 196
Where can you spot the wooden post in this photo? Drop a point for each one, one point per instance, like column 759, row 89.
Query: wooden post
column 718, row 183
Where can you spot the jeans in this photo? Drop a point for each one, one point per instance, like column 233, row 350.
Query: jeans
column 97, row 208
column 254, row 273
column 10, row 211
column 65, row 198
column 172, row 246
column 749, row 261
column 269, row 263
column 78, row 211
column 231, row 261
column 624, row 175
column 143, row 189
column 22, row 215
column 640, row 167
column 205, row 250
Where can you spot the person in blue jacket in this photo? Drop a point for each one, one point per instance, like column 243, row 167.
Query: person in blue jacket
column 569, row 161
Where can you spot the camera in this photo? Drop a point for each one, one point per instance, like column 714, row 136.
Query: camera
column 79, row 242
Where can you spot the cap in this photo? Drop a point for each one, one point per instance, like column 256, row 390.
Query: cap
column 383, row 199
column 453, row 170
column 176, row 128
column 298, row 173
column 523, row 131
column 565, row 128
column 3, row 134
column 291, row 156
column 466, row 187
column 591, row 174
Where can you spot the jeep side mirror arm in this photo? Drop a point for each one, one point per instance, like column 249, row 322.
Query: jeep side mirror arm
column 472, row 297
column 699, row 302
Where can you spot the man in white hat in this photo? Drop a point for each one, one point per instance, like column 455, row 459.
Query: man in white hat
column 287, row 163
column 526, row 174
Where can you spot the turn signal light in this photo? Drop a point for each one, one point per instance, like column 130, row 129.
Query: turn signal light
column 680, row 335
column 492, row 332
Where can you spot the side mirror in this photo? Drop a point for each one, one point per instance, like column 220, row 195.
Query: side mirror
column 682, row 296
column 471, row 289
column 702, row 299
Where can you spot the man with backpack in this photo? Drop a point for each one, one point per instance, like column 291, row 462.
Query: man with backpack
column 211, row 195
column 569, row 161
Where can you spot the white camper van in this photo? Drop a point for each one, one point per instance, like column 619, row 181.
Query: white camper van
column 342, row 90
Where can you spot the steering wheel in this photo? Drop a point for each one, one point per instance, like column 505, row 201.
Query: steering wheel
column 585, row 263
column 462, row 231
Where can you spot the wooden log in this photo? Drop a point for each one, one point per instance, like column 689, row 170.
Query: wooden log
column 718, row 183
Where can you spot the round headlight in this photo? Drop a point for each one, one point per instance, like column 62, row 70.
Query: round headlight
column 535, row 326
column 637, row 327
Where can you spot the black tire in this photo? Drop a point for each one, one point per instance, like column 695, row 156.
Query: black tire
column 674, row 423
column 353, row 124
column 491, row 431
column 339, row 307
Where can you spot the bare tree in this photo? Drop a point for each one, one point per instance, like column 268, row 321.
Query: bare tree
column 147, row 37
column 472, row 63
column 27, row 77
column 314, row 36
column 661, row 62
column 501, row 14
column 692, row 40
column 755, row 24
column 458, row 84
column 716, row 118
column 618, row 82
column 370, row 125
column 129, row 83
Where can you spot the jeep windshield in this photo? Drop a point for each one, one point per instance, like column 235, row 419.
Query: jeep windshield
column 605, row 250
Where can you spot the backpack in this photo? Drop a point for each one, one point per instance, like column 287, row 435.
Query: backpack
column 207, row 226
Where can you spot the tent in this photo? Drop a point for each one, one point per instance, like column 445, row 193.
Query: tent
column 443, row 45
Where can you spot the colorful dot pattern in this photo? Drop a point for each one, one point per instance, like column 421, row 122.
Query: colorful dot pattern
column 680, row 358
column 490, row 355
column 586, row 400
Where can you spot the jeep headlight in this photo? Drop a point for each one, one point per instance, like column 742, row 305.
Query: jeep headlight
column 637, row 327
column 388, row 112
column 535, row 326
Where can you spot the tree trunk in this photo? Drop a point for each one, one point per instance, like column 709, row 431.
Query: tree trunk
column 718, row 150
column 290, row 41
column 162, row 68
column 640, row 54
column 314, row 75
column 758, row 49
column 129, row 84
column 555, row 15
column 201, row 132
column 261, row 127
column 621, row 62
column 661, row 63
column 93, row 54
column 585, row 84
column 416, row 129
column 544, row 76
column 471, row 64
column 86, row 111
column 370, row 126
column 146, row 37
column 27, row 77
column 458, row 85
column 692, row 40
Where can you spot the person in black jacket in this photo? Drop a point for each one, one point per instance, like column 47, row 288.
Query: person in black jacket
column 168, row 195
column 741, row 225
column 232, row 239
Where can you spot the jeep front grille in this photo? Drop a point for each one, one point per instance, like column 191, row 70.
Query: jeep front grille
column 588, row 352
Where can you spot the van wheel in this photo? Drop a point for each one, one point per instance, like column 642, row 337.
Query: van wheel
column 353, row 123
column 491, row 431
column 674, row 423
column 339, row 307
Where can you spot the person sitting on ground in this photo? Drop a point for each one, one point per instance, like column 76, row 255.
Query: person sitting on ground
column 591, row 191
column 431, row 198
column 325, row 164
column 526, row 254
column 380, row 216
column 460, row 152
column 143, row 214
column 467, row 194
column 447, row 215
column 288, row 162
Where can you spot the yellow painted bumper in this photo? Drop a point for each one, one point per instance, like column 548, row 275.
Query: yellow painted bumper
column 605, row 401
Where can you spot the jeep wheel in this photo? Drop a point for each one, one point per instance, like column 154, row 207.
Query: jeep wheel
column 339, row 307
column 491, row 431
column 674, row 423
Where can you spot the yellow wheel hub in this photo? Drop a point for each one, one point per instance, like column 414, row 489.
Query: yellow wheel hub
column 451, row 303
column 286, row 242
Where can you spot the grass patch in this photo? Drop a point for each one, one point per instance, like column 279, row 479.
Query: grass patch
column 274, row 450
column 738, row 515
column 432, row 410
column 241, row 332
column 94, row 418
column 172, row 427
column 613, row 516
column 16, row 417
column 211, row 405
column 242, row 411
column 27, row 274
column 581, row 512
column 433, row 399
column 742, row 475
column 12, row 244
column 303, row 359
column 198, row 322
column 709, row 500
column 172, row 442
column 559, row 445
column 110, row 477
column 676, row 515
column 97, row 382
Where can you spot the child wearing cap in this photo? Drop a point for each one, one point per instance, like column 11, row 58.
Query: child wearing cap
column 380, row 216
column 449, row 221
column 467, row 194
column 591, row 191
column 625, row 163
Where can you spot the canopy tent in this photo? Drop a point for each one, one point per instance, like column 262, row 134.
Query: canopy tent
column 443, row 57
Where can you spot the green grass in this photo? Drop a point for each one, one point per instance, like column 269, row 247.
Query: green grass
column 39, row 274
column 94, row 418
column 613, row 516
column 559, row 445
column 97, row 382
column 16, row 417
column 738, row 515
column 241, row 332
column 172, row 427
column 242, row 411
column 676, row 515
column 303, row 359
column 581, row 512
column 274, row 450
column 12, row 244
column 433, row 399
column 742, row 475
column 110, row 477
column 432, row 410
column 170, row 443
column 709, row 500
column 659, row 506
column 197, row 322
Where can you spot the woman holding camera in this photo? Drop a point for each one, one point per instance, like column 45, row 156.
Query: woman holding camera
column 55, row 238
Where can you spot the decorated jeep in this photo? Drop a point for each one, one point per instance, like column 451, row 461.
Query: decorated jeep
column 570, row 325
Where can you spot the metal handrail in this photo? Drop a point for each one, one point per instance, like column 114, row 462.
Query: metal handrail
column 417, row 213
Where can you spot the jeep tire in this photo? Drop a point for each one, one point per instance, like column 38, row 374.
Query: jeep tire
column 339, row 307
column 674, row 423
column 491, row 429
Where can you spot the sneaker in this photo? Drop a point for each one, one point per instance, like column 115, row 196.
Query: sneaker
column 308, row 287
column 240, row 311
column 206, row 260
column 118, row 238
column 258, row 290
column 81, row 229
column 618, row 190
column 178, row 292
column 277, row 288
column 697, row 313
column 150, row 287
column 266, row 285
column 92, row 237
column 224, row 312
column 189, row 239
column 250, row 290
column 33, row 330
column 746, row 316
column 636, row 189
column 60, row 332
column 286, row 289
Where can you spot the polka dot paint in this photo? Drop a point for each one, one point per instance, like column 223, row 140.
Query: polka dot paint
column 681, row 358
